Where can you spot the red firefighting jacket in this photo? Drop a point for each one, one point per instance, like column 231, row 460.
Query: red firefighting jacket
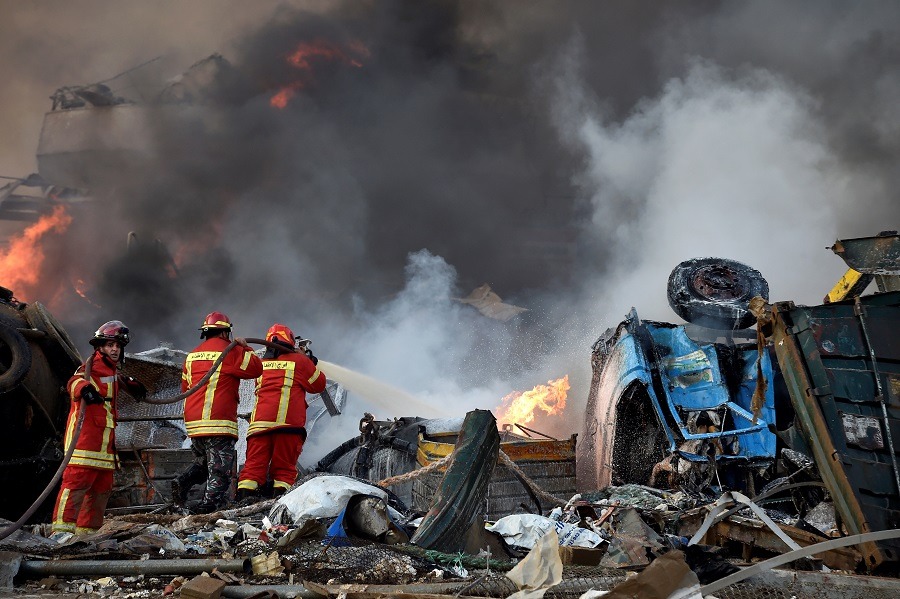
column 281, row 393
column 212, row 409
column 96, row 445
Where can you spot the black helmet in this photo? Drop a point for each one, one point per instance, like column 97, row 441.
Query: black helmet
column 114, row 330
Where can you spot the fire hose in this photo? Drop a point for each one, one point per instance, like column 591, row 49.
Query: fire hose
column 12, row 528
column 213, row 368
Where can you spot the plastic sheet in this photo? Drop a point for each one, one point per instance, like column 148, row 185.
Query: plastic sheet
column 524, row 530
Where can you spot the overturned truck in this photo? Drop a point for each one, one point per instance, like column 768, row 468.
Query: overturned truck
column 713, row 403
column 37, row 357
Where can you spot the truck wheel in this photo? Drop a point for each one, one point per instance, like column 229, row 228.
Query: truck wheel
column 715, row 292
column 15, row 357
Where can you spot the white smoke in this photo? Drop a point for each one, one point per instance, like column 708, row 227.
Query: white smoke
column 722, row 163
column 417, row 341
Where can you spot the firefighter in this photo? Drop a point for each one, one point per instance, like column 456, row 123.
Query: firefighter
column 210, row 413
column 276, row 434
column 88, row 478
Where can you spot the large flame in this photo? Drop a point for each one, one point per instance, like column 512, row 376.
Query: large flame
column 306, row 53
column 20, row 264
column 520, row 408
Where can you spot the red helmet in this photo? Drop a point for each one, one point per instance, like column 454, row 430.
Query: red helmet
column 114, row 330
column 280, row 333
column 216, row 321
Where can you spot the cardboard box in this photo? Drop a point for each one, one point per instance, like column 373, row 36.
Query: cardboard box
column 580, row 556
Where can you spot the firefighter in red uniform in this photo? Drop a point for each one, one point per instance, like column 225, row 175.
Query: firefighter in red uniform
column 210, row 413
column 276, row 434
column 88, row 478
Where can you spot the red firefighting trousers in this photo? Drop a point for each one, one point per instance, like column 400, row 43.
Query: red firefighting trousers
column 82, row 499
column 274, row 454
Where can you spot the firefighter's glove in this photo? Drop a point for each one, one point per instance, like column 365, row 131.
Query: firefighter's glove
column 314, row 359
column 90, row 396
column 135, row 388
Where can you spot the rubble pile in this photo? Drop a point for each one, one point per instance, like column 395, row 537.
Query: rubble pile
column 334, row 535
column 718, row 464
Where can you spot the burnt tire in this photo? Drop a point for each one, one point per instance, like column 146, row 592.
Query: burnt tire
column 715, row 292
column 58, row 343
column 15, row 357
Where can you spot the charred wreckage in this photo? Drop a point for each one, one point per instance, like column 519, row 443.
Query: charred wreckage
column 707, row 447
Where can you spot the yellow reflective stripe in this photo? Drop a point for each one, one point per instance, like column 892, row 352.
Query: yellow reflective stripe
column 256, row 396
column 314, row 376
column 250, row 485
column 63, row 499
column 210, row 395
column 70, row 428
column 99, row 464
column 83, row 530
column 63, row 527
column 280, row 484
column 211, row 427
column 72, row 387
column 246, row 361
column 96, row 455
column 107, row 433
column 285, row 399
column 262, row 425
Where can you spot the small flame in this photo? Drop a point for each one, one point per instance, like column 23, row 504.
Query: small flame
column 281, row 99
column 284, row 95
column 520, row 408
column 328, row 51
column 20, row 264
column 79, row 286
column 306, row 53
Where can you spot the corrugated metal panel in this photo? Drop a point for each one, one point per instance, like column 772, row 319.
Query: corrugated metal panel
column 824, row 352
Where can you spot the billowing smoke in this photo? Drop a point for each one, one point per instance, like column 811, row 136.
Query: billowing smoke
column 569, row 154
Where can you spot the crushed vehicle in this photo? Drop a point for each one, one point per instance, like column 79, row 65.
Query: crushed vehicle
column 713, row 403
column 37, row 358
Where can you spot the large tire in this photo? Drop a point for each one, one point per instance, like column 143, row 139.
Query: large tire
column 715, row 292
column 58, row 343
column 15, row 357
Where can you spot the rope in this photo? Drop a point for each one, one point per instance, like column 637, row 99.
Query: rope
column 507, row 461
column 504, row 459
column 402, row 478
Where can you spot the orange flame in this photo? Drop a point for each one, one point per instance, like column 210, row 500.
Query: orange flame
column 79, row 286
column 302, row 57
column 284, row 95
column 20, row 264
column 520, row 408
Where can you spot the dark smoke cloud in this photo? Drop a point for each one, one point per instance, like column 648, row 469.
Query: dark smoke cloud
column 568, row 153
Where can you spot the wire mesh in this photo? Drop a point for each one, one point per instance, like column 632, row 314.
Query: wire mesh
column 357, row 561
column 373, row 563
